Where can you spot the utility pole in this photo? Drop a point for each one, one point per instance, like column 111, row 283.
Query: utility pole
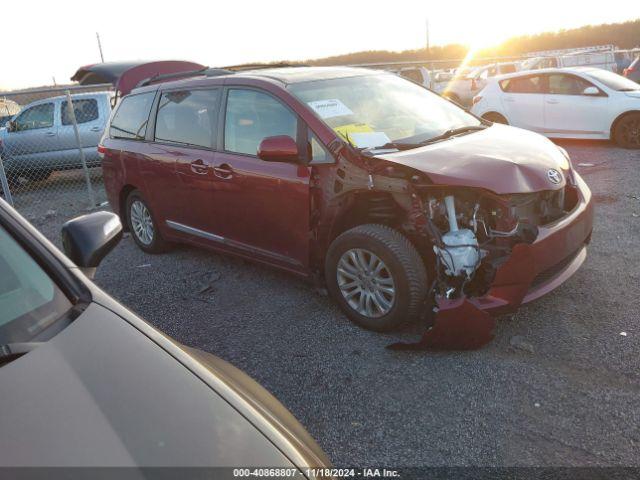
column 100, row 47
column 428, row 45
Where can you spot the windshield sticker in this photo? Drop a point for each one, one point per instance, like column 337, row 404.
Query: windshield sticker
column 369, row 139
column 345, row 130
column 330, row 108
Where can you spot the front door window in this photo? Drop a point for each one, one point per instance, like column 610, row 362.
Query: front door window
column 38, row 116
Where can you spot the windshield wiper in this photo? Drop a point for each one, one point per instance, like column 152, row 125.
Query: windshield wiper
column 454, row 132
column 396, row 145
column 10, row 350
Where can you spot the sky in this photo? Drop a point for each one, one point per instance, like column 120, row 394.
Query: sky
column 50, row 39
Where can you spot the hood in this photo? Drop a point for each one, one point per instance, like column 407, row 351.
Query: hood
column 500, row 158
column 101, row 393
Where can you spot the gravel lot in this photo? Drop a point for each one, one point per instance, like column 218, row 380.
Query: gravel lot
column 560, row 385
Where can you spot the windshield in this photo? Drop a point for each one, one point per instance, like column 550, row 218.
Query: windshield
column 29, row 300
column 374, row 110
column 613, row 80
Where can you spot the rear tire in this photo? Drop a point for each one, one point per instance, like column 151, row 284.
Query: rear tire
column 142, row 224
column 376, row 276
column 626, row 132
column 495, row 118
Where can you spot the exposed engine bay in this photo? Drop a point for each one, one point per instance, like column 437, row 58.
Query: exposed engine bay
column 472, row 236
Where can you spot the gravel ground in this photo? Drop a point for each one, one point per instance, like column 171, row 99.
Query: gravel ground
column 559, row 386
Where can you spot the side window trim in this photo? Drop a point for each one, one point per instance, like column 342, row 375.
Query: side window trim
column 151, row 126
column 223, row 116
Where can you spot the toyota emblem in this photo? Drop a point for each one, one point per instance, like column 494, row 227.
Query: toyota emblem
column 554, row 176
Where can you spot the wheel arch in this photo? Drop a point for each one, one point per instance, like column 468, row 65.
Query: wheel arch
column 495, row 112
column 365, row 207
column 614, row 124
column 122, row 204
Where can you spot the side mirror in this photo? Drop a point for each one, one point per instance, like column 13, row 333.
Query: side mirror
column 281, row 148
column 591, row 91
column 89, row 238
column 11, row 126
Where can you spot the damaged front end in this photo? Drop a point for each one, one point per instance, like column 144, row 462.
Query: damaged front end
column 483, row 250
column 478, row 237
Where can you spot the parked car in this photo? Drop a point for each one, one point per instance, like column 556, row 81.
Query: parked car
column 577, row 102
column 466, row 83
column 632, row 72
column 420, row 75
column 389, row 194
column 41, row 139
column 88, row 383
column 605, row 60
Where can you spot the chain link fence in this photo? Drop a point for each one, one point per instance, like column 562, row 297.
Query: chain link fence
column 49, row 160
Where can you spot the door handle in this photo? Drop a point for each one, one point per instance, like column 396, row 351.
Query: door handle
column 199, row 167
column 50, row 134
column 96, row 129
column 223, row 171
column 509, row 99
column 553, row 101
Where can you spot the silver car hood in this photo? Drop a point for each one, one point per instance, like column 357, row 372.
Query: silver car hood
column 101, row 393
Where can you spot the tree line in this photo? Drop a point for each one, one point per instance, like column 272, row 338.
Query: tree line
column 623, row 35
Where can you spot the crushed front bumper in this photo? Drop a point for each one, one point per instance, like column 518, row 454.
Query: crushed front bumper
column 531, row 271
column 535, row 269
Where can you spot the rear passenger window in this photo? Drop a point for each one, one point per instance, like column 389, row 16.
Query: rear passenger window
column 85, row 110
column 251, row 117
column 187, row 117
column 130, row 121
column 531, row 84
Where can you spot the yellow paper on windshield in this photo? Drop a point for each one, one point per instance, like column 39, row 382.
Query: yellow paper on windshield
column 345, row 131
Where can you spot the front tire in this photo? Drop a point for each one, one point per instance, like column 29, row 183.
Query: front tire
column 142, row 224
column 376, row 276
column 626, row 132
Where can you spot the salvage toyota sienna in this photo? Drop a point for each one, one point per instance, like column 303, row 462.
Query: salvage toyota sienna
column 405, row 205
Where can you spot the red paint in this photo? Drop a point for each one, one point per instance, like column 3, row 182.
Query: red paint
column 126, row 75
column 269, row 212
column 500, row 159
column 459, row 325
column 281, row 148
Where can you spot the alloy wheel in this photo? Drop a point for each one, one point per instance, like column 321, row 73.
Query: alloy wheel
column 141, row 222
column 366, row 283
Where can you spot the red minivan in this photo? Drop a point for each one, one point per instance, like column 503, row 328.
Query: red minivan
column 403, row 203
